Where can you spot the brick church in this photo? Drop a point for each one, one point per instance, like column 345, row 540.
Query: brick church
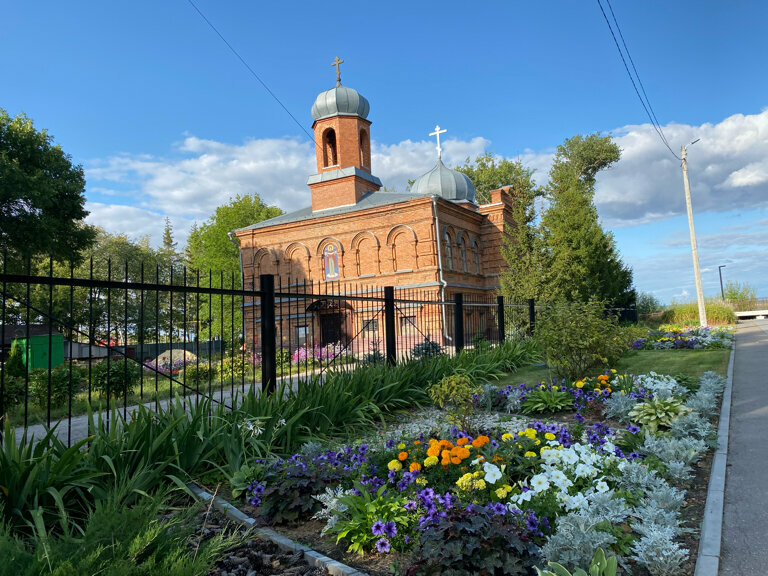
column 356, row 239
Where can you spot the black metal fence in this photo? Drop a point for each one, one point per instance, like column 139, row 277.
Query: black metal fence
column 114, row 336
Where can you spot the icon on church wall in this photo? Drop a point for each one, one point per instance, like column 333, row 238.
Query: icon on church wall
column 331, row 259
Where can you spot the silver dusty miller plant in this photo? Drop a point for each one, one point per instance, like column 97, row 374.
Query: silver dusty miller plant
column 658, row 552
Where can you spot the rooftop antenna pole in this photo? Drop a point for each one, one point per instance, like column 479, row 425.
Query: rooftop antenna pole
column 694, row 248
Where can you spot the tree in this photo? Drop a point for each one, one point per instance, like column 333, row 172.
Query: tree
column 490, row 172
column 42, row 202
column 212, row 253
column 647, row 303
column 737, row 291
column 580, row 258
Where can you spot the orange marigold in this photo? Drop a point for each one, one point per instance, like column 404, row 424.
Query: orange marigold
column 414, row 466
column 446, row 454
column 455, row 460
column 480, row 441
column 433, row 450
column 402, row 456
column 416, row 442
column 462, row 441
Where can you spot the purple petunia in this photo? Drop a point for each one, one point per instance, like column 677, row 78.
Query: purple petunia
column 378, row 528
column 390, row 529
column 382, row 546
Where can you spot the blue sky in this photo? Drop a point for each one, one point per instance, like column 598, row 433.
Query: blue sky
column 167, row 122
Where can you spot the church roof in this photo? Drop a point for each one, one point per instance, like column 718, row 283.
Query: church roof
column 340, row 101
column 369, row 200
column 442, row 181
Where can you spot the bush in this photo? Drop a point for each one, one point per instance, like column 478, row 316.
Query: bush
column 234, row 368
column 14, row 365
column 457, row 393
column 688, row 314
column 121, row 375
column 61, row 387
column 576, row 338
column 426, row 349
column 201, row 374
column 468, row 542
column 14, row 391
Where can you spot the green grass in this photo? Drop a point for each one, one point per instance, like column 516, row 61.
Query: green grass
column 684, row 362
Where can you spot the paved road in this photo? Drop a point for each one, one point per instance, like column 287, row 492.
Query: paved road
column 745, row 518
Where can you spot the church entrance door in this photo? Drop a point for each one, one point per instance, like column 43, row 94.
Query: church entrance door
column 331, row 328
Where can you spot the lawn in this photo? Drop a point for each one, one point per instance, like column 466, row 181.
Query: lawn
column 692, row 363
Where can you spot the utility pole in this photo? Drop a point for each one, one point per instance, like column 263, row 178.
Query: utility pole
column 720, row 272
column 694, row 248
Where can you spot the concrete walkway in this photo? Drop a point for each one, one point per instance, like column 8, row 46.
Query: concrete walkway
column 745, row 518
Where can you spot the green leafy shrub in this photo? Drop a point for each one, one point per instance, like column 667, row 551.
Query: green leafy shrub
column 198, row 375
column 546, row 399
column 657, row 412
column 457, row 394
column 360, row 513
column 600, row 566
column 14, row 364
column 576, row 338
column 234, row 368
column 717, row 312
column 120, row 375
column 465, row 542
column 63, row 387
column 14, row 391
column 426, row 349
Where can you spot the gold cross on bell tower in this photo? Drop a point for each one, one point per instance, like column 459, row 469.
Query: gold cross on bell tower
column 437, row 133
column 337, row 63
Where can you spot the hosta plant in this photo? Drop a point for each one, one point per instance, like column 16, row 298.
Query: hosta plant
column 600, row 566
column 657, row 412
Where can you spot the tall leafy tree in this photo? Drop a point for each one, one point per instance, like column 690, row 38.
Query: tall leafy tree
column 580, row 259
column 42, row 201
column 211, row 252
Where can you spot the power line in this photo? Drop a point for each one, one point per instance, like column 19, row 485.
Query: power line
column 253, row 73
column 651, row 117
column 637, row 74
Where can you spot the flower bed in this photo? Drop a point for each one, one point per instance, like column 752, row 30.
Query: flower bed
column 679, row 338
column 519, row 494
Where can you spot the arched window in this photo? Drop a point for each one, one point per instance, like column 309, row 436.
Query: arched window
column 476, row 251
column 329, row 148
column 365, row 149
column 463, row 254
column 448, row 251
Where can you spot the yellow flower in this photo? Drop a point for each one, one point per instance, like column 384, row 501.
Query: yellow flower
column 613, row 371
column 501, row 493
column 506, row 437
column 537, row 442
column 421, row 481
column 529, row 433
column 395, row 465
column 465, row 482
column 430, row 461
column 555, row 388
column 549, row 436
column 530, row 454
column 579, row 384
column 479, row 484
column 401, row 446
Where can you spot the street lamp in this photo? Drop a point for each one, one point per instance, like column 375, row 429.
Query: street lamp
column 720, row 271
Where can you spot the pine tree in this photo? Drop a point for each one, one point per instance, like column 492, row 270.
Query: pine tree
column 580, row 261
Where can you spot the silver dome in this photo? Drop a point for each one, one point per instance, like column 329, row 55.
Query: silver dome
column 340, row 101
column 442, row 181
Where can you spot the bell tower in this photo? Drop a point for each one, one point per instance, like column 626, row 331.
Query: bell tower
column 342, row 147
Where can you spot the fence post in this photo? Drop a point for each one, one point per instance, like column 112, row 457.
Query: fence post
column 531, row 316
column 500, row 317
column 390, row 340
column 458, row 321
column 268, row 348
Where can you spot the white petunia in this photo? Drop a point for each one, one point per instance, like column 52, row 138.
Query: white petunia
column 601, row 486
column 539, row 483
column 576, row 502
column 492, row 472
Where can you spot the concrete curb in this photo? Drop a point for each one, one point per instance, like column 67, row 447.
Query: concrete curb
column 708, row 561
column 312, row 558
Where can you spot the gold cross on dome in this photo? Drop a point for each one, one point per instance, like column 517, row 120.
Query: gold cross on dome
column 337, row 63
column 437, row 133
